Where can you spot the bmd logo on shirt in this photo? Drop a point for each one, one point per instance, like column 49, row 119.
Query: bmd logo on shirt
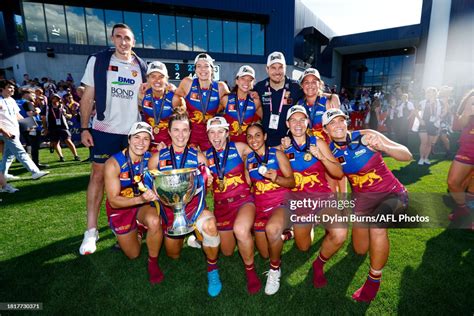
column 124, row 81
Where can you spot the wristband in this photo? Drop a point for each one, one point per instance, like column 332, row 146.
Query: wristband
column 84, row 129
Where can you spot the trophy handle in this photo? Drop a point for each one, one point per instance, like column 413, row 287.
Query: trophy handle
column 201, row 195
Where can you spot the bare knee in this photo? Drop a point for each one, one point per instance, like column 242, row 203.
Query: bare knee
column 173, row 255
column 453, row 183
column 273, row 232
column 361, row 250
column 227, row 252
column 210, row 227
column 337, row 237
column 133, row 254
column 303, row 245
column 242, row 232
column 154, row 224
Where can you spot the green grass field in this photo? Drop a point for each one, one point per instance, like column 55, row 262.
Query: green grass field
column 430, row 271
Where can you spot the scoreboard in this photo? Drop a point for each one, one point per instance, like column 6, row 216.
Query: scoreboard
column 178, row 71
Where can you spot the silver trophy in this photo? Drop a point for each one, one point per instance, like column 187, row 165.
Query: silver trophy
column 176, row 188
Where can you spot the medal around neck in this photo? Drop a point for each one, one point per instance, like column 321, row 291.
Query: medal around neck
column 262, row 169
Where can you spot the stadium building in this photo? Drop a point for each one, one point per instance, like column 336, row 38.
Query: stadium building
column 53, row 38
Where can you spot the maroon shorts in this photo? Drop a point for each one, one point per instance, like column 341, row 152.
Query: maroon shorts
column 262, row 217
column 121, row 220
column 465, row 154
column 226, row 211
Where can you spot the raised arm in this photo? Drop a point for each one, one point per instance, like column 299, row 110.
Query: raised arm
column 379, row 142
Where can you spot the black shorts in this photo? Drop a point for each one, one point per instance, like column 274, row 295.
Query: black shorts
column 59, row 135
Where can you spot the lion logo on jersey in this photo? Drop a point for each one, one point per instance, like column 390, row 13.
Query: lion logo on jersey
column 361, row 179
column 235, row 127
column 199, row 118
column 263, row 187
column 127, row 192
column 301, row 180
column 231, row 180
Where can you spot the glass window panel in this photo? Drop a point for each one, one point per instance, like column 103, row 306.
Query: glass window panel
column 369, row 63
column 395, row 65
column 378, row 66
column 34, row 20
column 133, row 20
column 111, row 18
column 20, row 31
column 244, row 38
column 393, row 79
column 258, row 39
column 386, row 65
column 408, row 64
column 96, row 26
column 55, row 23
column 151, row 38
column 183, row 33
column 230, row 39
column 76, row 25
column 199, row 35
column 215, row 35
column 167, row 32
column 377, row 80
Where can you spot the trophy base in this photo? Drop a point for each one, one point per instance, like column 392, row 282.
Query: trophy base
column 180, row 231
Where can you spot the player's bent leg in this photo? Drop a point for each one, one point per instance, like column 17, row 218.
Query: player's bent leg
column 173, row 246
column 333, row 241
column 379, row 250
column 148, row 216
column 303, row 236
column 274, row 228
column 262, row 244
column 360, row 239
column 129, row 244
column 206, row 225
column 243, row 233
column 227, row 244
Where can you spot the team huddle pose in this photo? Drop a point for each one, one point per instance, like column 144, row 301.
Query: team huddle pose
column 255, row 149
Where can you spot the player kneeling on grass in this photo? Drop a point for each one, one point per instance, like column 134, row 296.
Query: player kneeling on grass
column 271, row 177
column 311, row 159
column 233, row 203
column 177, row 156
column 128, row 199
column 375, row 189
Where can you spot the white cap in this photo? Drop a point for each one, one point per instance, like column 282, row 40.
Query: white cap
column 157, row 66
column 330, row 114
column 246, row 70
column 310, row 71
column 205, row 57
column 140, row 127
column 276, row 57
column 296, row 109
column 217, row 122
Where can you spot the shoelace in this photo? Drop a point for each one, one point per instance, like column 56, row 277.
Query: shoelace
column 213, row 277
column 272, row 277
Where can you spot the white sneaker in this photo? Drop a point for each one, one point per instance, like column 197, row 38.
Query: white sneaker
column 88, row 243
column 421, row 162
column 193, row 242
column 11, row 177
column 39, row 174
column 273, row 281
column 427, row 162
column 8, row 189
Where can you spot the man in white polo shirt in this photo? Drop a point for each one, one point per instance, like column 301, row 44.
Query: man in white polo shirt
column 10, row 132
column 112, row 80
